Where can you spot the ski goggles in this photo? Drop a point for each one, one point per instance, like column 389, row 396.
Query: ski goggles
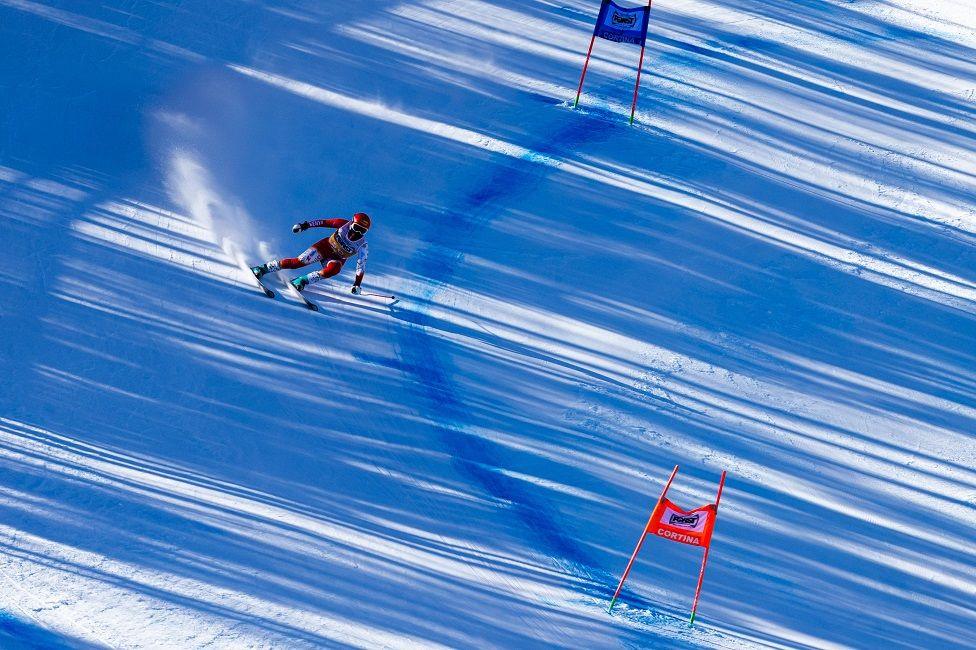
column 357, row 228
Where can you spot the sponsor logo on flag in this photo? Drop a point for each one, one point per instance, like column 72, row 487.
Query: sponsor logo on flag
column 623, row 20
column 680, row 520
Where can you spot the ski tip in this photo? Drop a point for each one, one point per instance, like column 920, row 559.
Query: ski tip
column 269, row 293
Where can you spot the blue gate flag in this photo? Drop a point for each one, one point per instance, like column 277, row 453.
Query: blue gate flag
column 621, row 24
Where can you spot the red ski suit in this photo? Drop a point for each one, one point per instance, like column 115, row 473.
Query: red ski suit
column 333, row 251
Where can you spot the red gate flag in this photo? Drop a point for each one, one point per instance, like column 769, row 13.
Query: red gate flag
column 686, row 526
column 622, row 25
column 693, row 527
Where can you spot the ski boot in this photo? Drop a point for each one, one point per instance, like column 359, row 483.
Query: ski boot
column 259, row 271
column 300, row 283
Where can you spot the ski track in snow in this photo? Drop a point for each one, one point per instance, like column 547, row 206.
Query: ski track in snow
column 434, row 371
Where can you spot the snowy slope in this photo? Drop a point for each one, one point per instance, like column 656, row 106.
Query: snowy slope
column 772, row 273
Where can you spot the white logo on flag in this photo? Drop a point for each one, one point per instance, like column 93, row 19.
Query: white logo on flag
column 691, row 521
column 619, row 19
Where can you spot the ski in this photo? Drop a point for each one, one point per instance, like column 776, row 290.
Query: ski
column 308, row 303
column 268, row 292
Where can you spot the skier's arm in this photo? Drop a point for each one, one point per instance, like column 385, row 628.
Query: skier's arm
column 360, row 267
column 319, row 223
column 327, row 223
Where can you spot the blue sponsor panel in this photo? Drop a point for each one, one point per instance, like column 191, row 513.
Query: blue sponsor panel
column 622, row 24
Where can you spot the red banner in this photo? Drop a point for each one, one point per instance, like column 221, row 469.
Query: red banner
column 692, row 527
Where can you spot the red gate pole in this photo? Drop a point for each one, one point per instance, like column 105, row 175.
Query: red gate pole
column 640, row 65
column 585, row 65
column 701, row 573
column 640, row 542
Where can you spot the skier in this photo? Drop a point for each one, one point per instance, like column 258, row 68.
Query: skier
column 349, row 239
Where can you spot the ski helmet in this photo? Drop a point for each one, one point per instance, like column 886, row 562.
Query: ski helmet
column 361, row 219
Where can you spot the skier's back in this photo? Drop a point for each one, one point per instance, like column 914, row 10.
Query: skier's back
column 348, row 240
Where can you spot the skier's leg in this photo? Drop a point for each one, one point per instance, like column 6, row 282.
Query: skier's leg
column 273, row 266
column 329, row 268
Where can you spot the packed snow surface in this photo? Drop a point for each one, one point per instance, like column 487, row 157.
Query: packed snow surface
column 771, row 273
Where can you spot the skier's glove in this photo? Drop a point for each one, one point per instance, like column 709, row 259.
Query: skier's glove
column 356, row 289
column 299, row 227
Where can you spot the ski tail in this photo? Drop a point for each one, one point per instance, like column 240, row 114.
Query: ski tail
column 268, row 292
column 308, row 303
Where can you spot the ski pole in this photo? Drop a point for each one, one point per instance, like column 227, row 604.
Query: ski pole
column 377, row 295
